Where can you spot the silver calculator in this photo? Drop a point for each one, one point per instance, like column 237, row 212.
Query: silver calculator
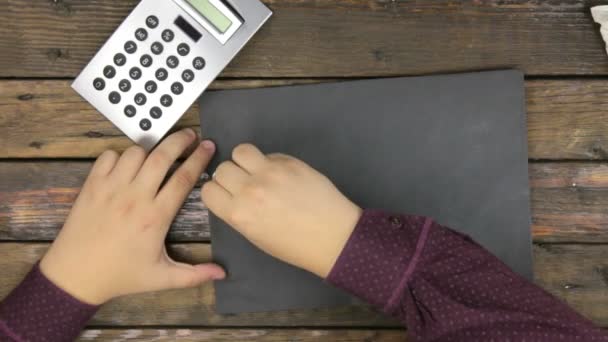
column 162, row 58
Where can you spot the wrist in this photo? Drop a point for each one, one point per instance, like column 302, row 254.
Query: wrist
column 345, row 222
column 67, row 278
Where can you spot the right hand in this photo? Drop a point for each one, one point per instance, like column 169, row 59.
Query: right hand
column 283, row 206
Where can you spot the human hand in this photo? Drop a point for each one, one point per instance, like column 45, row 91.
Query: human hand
column 283, row 206
column 112, row 243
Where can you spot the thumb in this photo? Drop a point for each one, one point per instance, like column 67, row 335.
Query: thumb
column 183, row 275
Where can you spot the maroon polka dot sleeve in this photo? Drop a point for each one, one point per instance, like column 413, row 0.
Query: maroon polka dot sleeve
column 38, row 310
column 445, row 287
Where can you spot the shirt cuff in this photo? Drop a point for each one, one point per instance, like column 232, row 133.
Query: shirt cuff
column 38, row 310
column 380, row 257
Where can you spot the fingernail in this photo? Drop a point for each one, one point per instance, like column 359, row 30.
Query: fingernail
column 219, row 276
column 208, row 145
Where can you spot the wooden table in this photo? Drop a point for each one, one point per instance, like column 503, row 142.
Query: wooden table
column 49, row 137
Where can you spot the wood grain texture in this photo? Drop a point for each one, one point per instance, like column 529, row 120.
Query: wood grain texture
column 334, row 38
column 568, row 200
column 237, row 335
column 577, row 274
column 47, row 119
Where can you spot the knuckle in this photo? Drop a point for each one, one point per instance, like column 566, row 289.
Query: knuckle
column 184, row 179
column 290, row 162
column 222, row 168
column 239, row 217
column 136, row 151
column 160, row 157
column 108, row 154
column 107, row 157
column 277, row 174
column 242, row 150
column 255, row 192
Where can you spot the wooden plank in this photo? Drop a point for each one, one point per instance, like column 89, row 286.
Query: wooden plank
column 334, row 38
column 568, row 200
column 262, row 335
column 47, row 119
column 575, row 273
column 190, row 307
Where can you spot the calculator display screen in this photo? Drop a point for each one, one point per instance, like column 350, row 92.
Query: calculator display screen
column 213, row 15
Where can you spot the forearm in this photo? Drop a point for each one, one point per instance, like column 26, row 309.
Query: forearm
column 37, row 310
column 442, row 285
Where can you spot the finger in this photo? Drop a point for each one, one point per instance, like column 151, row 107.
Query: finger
column 129, row 164
column 180, row 275
column 230, row 176
column 179, row 186
column 249, row 157
column 217, row 199
column 104, row 164
column 159, row 162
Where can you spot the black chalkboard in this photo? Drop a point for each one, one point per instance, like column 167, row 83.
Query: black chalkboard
column 452, row 147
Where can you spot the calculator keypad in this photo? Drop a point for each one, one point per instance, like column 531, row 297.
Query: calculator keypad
column 120, row 59
column 114, row 97
column 172, row 53
column 145, row 124
column 152, row 22
column 130, row 111
column 183, row 49
column 124, row 86
column 141, row 34
column 172, row 62
column 157, row 48
column 188, row 76
column 177, row 88
column 140, row 99
column 146, row 61
column 198, row 63
column 99, row 83
column 168, row 36
column 156, row 112
column 135, row 73
column 162, row 74
column 109, row 72
column 151, row 87
column 130, row 47
column 166, row 100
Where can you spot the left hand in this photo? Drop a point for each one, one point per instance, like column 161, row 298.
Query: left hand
column 112, row 243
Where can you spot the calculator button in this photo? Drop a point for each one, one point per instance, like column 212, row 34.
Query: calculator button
column 188, row 75
column 135, row 73
column 124, row 86
column 120, row 59
column 172, row 62
column 161, row 74
column 156, row 112
column 109, row 71
column 141, row 34
column 114, row 97
column 177, row 88
column 130, row 111
column 183, row 49
column 99, row 83
column 198, row 63
column 130, row 47
column 146, row 61
column 140, row 99
column 168, row 35
column 152, row 22
column 157, row 48
column 145, row 124
column 166, row 100
column 150, row 87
